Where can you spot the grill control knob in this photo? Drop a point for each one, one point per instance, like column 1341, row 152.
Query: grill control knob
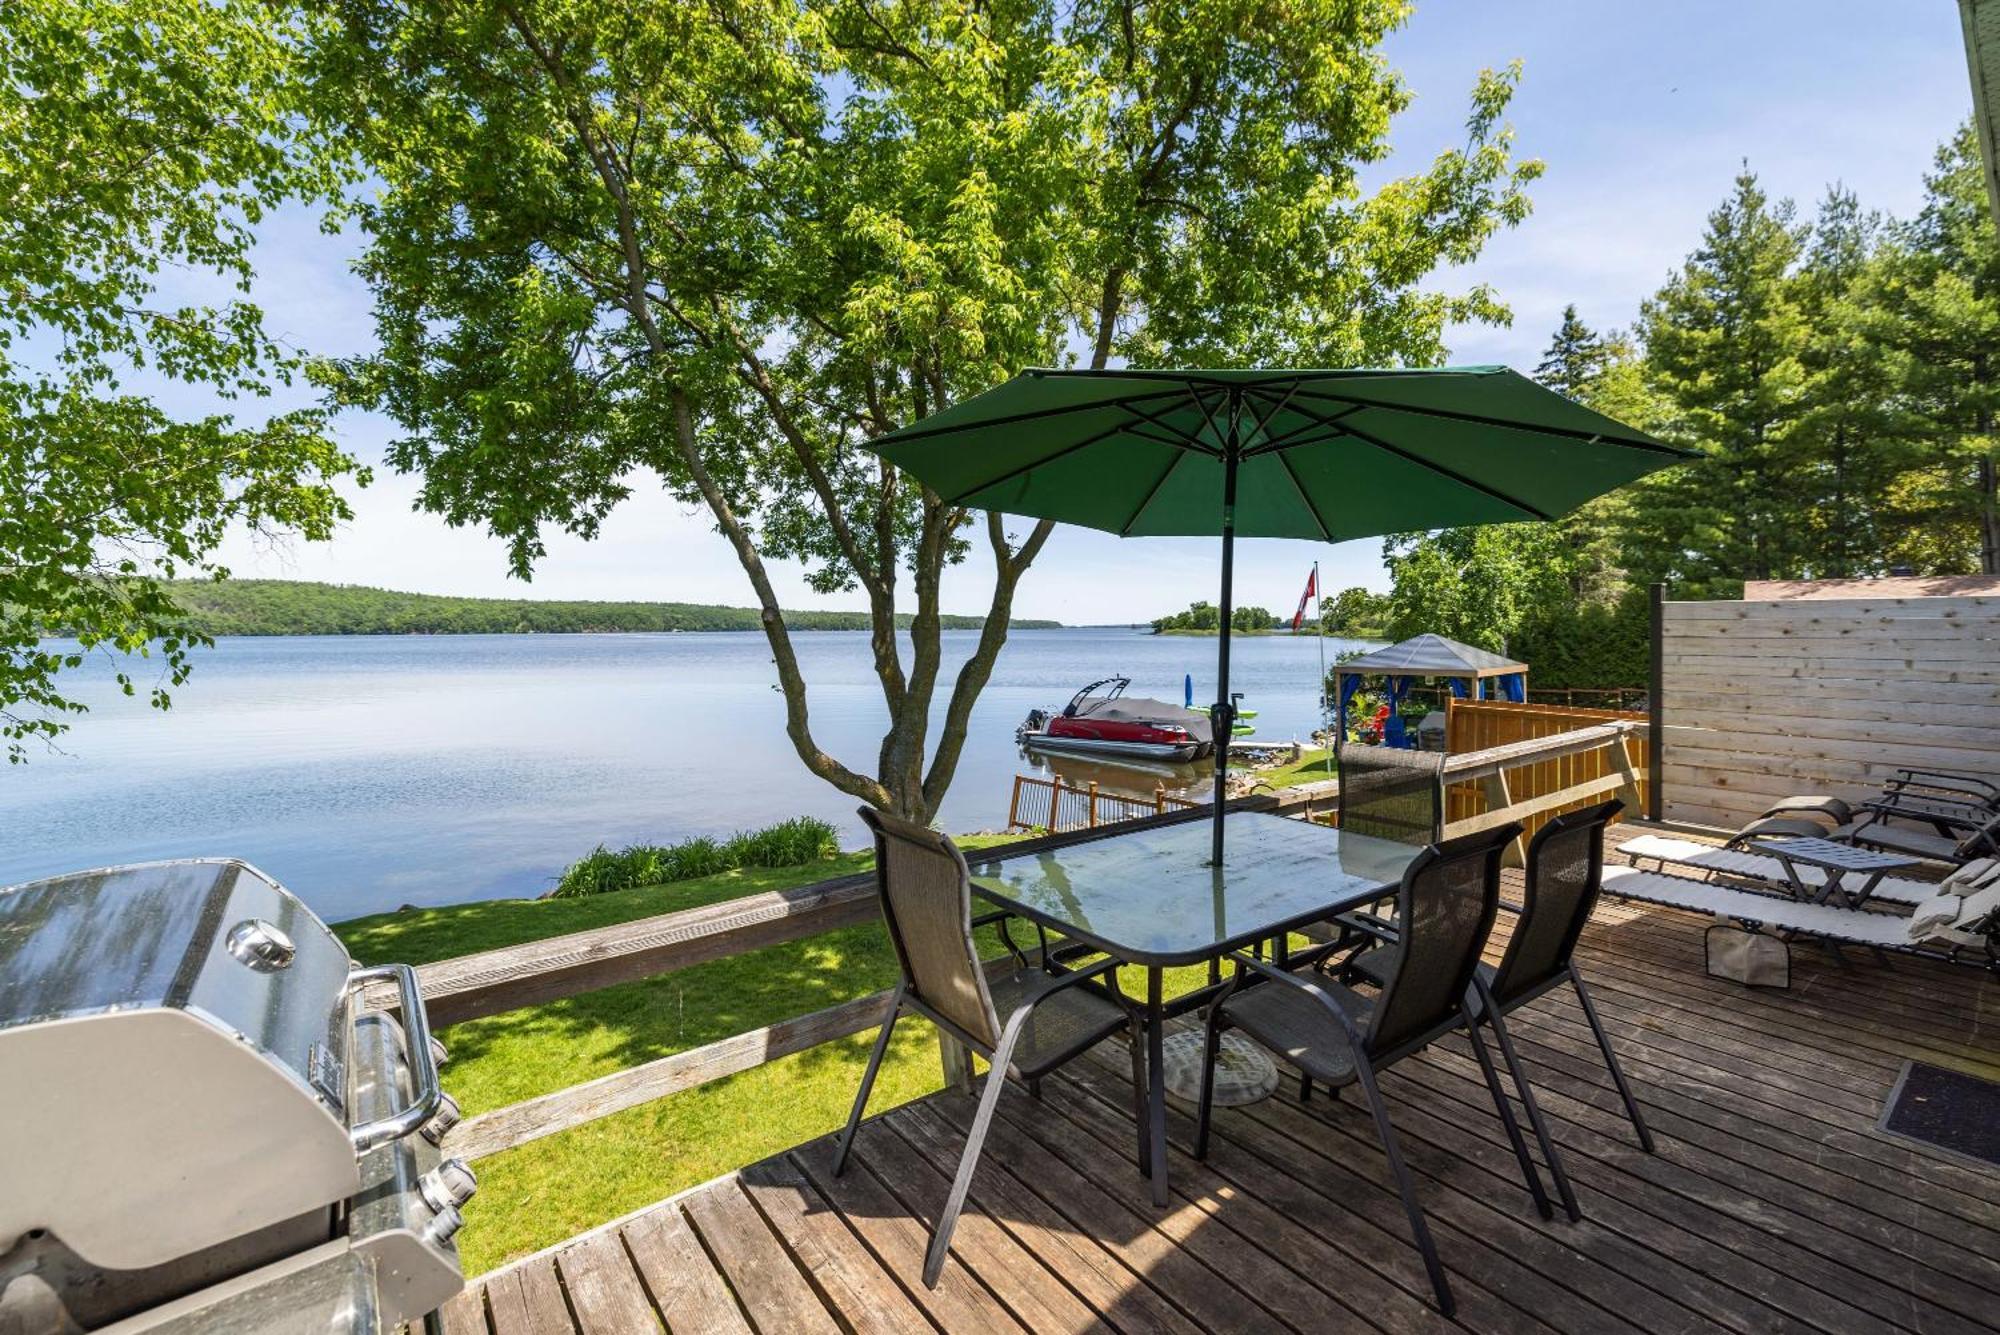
column 447, row 1117
column 440, row 1230
column 439, row 1054
column 260, row 945
column 448, row 1186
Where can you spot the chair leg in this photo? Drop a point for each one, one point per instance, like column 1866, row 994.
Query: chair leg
column 1506, row 1111
column 1527, row 1092
column 1305, row 1087
column 1611, row 1061
column 867, row 1082
column 975, row 1140
column 1212, row 1041
column 1420, row 1229
column 1139, row 1090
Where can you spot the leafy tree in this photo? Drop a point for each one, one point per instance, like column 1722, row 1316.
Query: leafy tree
column 1472, row 584
column 722, row 245
column 1199, row 616
column 1251, row 619
column 1723, row 342
column 153, row 138
column 1353, row 610
column 1934, row 303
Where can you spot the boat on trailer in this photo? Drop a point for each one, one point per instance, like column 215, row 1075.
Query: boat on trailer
column 1115, row 724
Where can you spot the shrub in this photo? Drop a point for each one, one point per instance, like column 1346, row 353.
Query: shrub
column 791, row 843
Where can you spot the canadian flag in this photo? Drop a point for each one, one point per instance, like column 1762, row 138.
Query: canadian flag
column 1305, row 599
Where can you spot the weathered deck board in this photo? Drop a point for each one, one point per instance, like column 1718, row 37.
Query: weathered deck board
column 1772, row 1204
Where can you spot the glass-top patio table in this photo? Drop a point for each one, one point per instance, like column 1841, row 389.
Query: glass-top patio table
column 1151, row 898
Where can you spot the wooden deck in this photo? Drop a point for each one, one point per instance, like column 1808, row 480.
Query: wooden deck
column 1772, row 1203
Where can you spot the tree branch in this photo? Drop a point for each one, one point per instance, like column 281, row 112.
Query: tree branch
column 1008, row 567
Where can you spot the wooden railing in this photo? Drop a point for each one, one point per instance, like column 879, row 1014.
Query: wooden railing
column 496, row 981
column 1473, row 727
column 1055, row 806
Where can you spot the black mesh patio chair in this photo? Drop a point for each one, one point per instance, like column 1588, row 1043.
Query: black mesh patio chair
column 1025, row 1024
column 1446, row 906
column 1388, row 793
column 1565, row 875
column 1385, row 793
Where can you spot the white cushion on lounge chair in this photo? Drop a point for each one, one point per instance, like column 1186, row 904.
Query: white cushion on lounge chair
column 1957, row 920
column 1978, row 872
column 1857, row 926
column 1761, row 867
column 1935, row 916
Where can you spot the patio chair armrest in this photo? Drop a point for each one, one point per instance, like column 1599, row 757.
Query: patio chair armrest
column 1106, row 968
column 1286, row 978
column 999, row 919
column 1370, row 924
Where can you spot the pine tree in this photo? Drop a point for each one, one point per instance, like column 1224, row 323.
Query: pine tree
column 1576, row 357
column 1934, row 305
column 1850, row 436
column 1723, row 340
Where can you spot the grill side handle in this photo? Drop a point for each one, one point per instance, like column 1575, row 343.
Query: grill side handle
column 424, row 1091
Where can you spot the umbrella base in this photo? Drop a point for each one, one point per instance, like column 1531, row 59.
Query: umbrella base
column 1244, row 1074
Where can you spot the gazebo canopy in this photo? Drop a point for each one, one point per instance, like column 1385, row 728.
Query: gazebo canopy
column 1431, row 656
column 1466, row 668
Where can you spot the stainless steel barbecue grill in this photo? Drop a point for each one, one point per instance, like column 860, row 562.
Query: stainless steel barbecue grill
column 200, row 1125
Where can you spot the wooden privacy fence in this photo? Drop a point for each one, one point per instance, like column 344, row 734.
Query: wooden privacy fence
column 1474, row 726
column 496, row 981
column 1058, row 807
column 1763, row 700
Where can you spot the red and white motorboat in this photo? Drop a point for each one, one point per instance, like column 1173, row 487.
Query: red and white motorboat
column 1114, row 724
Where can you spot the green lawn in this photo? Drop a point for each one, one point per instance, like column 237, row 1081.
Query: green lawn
column 560, row 1185
column 1312, row 766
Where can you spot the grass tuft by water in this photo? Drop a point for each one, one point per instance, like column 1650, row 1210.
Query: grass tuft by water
column 797, row 842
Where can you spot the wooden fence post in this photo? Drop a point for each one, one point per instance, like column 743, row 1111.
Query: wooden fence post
column 1630, row 794
column 1656, row 729
column 1497, row 799
column 957, row 1061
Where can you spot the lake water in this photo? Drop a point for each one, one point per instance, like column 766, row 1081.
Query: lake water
column 368, row 772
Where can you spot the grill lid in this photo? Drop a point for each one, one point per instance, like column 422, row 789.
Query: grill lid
column 215, row 937
column 175, row 1042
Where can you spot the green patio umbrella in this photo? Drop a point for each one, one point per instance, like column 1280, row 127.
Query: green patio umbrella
column 1319, row 454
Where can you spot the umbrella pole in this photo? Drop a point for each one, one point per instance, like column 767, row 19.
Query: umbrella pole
column 1222, row 718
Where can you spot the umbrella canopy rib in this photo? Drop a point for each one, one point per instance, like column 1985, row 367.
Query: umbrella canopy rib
column 1476, row 419
column 1042, row 461
column 921, row 432
column 1312, row 507
column 1300, row 435
column 1173, row 462
column 1532, row 511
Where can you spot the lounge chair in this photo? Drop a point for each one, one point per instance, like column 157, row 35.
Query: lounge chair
column 1925, row 797
column 1025, row 1025
column 1972, row 836
column 1446, row 903
column 1767, row 872
column 1964, row 915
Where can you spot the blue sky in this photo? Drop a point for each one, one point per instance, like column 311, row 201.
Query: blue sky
column 1642, row 112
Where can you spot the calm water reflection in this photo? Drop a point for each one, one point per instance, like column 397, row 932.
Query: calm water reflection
column 367, row 772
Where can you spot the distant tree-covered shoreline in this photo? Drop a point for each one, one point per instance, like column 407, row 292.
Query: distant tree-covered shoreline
column 299, row 607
